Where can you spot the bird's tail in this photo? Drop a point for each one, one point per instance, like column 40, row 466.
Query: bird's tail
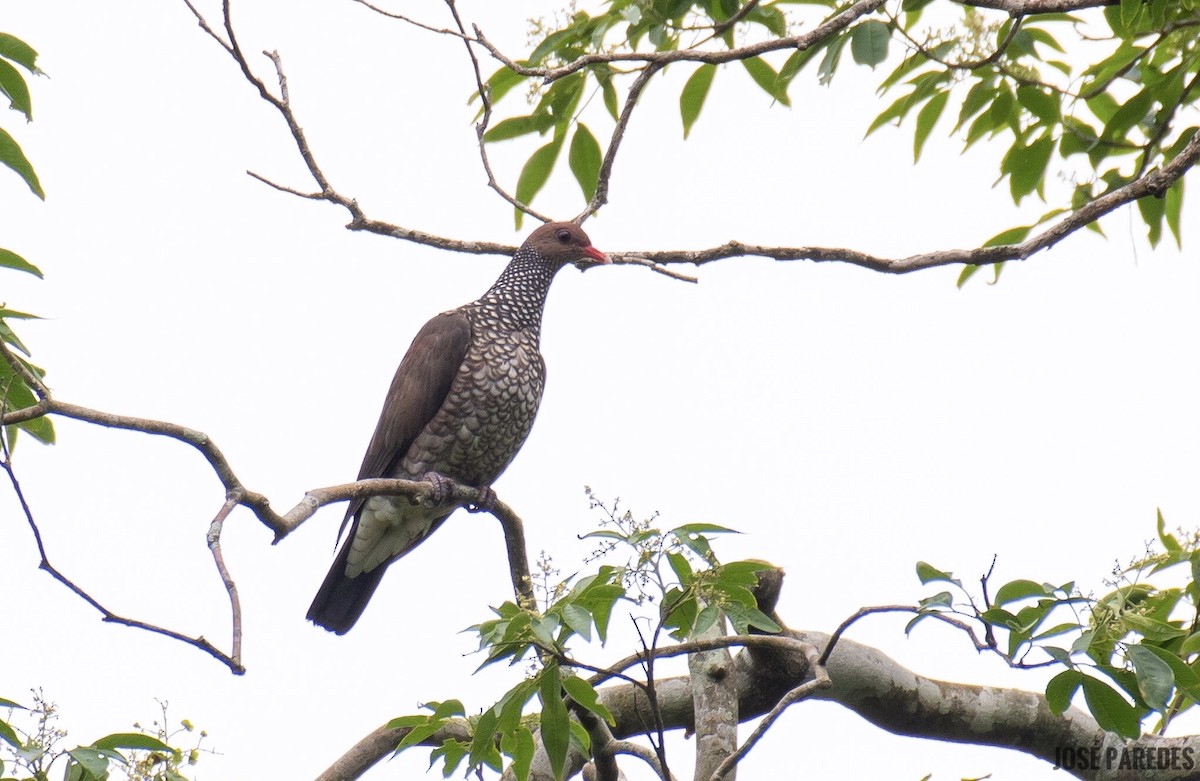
column 341, row 599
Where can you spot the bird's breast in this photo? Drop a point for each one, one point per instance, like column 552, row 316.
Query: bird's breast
column 487, row 414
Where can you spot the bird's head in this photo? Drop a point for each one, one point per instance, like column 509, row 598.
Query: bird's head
column 565, row 242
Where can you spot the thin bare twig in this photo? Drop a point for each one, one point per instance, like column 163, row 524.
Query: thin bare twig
column 482, row 125
column 720, row 28
column 235, row 605
column 600, row 197
column 777, row 642
column 232, row 662
column 642, row 753
column 605, row 749
column 646, row 660
column 409, row 20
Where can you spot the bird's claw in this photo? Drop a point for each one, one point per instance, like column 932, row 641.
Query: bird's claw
column 442, row 486
column 485, row 502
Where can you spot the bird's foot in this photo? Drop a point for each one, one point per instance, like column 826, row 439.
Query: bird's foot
column 485, row 502
column 442, row 486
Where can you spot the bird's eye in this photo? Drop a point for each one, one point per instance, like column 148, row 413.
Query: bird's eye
column 563, row 235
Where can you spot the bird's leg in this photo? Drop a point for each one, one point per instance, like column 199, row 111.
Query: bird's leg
column 442, row 486
column 485, row 502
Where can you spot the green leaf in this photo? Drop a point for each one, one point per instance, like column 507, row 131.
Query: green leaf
column 1132, row 112
column 522, row 756
column 1190, row 645
column 1110, row 709
column 508, row 710
column 1152, row 629
column 1010, row 236
column 9, row 259
column 1130, row 13
column 92, row 762
column 741, row 573
column 927, row 573
column 1002, row 618
column 12, row 156
column 770, row 17
column 12, row 84
column 1026, row 166
column 1154, row 677
column 1152, row 209
column 896, row 111
column 1041, row 36
column 681, row 611
column 1057, row 629
column 681, row 567
column 534, row 174
column 916, row 619
column 910, row 63
column 977, row 97
column 19, row 52
column 483, row 740
column 689, row 529
column 579, row 619
column 131, row 740
column 969, row 271
column 498, row 85
column 584, row 159
column 550, row 43
column 584, row 694
column 608, row 91
column 1040, row 104
column 515, row 127
column 766, row 77
column 940, row 599
column 15, row 394
column 1019, row 589
column 706, row 619
column 1187, row 680
column 554, row 722
column 421, row 727
column 1174, row 211
column 869, row 42
column 796, row 62
column 926, row 119
column 1060, row 655
column 743, row 617
column 691, row 100
column 581, row 741
column 452, row 753
column 600, row 602
column 9, row 735
column 829, row 63
column 1061, row 689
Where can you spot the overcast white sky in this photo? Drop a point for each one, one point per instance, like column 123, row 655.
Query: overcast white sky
column 849, row 423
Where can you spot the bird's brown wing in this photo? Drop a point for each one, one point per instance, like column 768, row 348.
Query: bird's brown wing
column 418, row 390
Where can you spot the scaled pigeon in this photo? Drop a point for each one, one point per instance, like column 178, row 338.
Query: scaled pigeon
column 460, row 407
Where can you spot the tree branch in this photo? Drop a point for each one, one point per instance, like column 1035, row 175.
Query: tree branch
column 866, row 681
column 1153, row 183
column 230, row 661
column 600, row 197
column 481, row 126
column 829, row 27
column 237, row 494
column 714, row 701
